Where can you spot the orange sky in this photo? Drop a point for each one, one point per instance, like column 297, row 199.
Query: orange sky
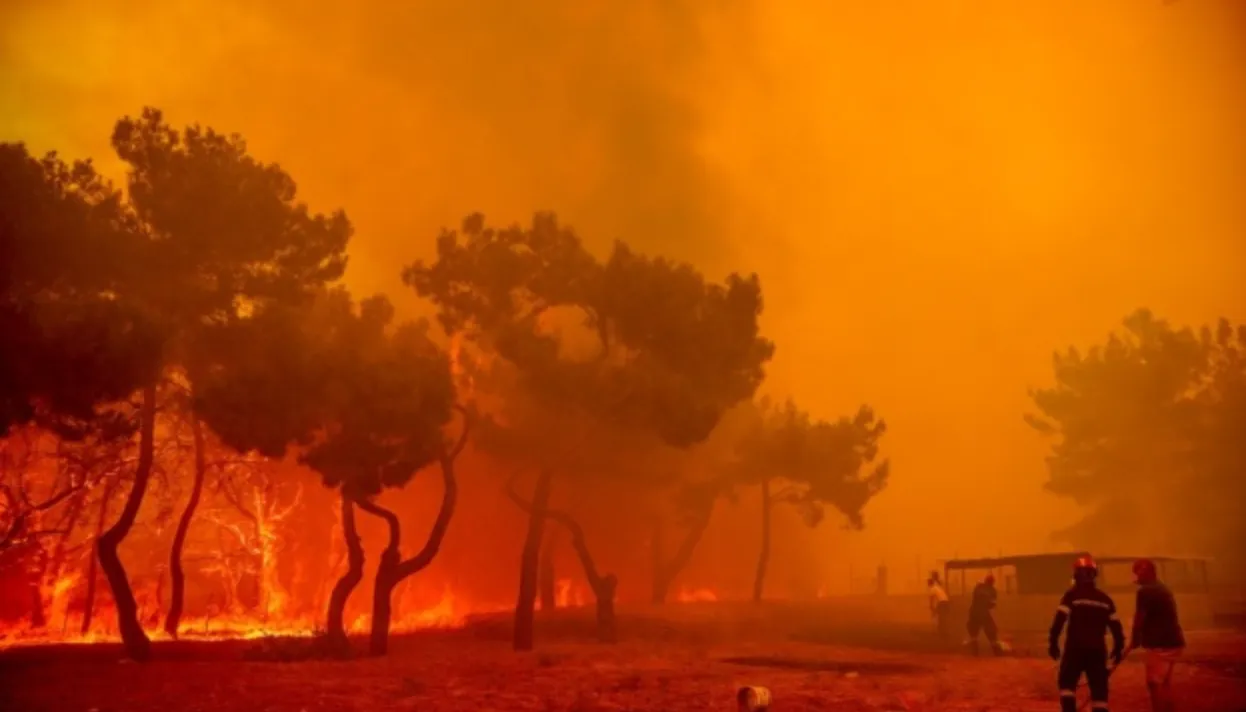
column 936, row 195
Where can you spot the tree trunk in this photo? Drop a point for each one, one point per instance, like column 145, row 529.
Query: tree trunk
column 336, row 626
column 383, row 597
column 525, row 614
column 548, row 586
column 88, row 604
column 392, row 570
column 176, row 575
column 665, row 572
column 763, row 559
column 605, row 589
column 137, row 645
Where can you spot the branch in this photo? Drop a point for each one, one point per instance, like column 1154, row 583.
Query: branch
column 391, row 519
column 468, row 422
column 15, row 528
column 45, row 532
column 224, row 487
column 692, row 536
column 573, row 527
column 790, row 494
column 281, row 515
column 449, row 498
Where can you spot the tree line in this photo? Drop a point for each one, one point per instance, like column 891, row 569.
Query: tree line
column 202, row 309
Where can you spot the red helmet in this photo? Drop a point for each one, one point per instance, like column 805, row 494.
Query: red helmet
column 989, row 580
column 1144, row 571
column 1085, row 568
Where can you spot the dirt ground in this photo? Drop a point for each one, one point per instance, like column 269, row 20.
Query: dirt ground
column 660, row 665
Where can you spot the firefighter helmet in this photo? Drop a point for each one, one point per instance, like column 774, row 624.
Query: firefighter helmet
column 989, row 580
column 1085, row 568
column 1144, row 571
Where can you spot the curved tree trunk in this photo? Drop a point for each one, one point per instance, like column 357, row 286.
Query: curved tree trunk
column 335, row 626
column 665, row 572
column 88, row 605
column 137, row 644
column 176, row 575
column 392, row 570
column 763, row 559
column 525, row 613
column 604, row 587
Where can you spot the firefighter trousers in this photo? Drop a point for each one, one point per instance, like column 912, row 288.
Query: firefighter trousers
column 1094, row 665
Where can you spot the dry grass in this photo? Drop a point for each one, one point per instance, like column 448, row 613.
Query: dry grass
column 663, row 665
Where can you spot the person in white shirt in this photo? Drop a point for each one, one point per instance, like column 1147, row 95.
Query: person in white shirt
column 939, row 604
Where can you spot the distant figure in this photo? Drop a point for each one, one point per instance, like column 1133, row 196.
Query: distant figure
column 939, row 605
column 980, row 617
column 1157, row 631
column 1090, row 613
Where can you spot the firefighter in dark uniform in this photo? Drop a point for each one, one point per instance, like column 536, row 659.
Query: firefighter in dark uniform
column 980, row 617
column 1090, row 614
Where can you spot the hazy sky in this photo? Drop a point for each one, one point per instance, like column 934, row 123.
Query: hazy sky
column 936, row 194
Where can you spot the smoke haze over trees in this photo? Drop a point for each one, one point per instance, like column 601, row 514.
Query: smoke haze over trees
column 189, row 362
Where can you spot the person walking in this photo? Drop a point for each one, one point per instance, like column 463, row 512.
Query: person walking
column 1157, row 630
column 981, row 619
column 939, row 606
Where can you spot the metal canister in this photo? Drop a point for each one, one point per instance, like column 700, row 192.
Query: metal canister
column 753, row 698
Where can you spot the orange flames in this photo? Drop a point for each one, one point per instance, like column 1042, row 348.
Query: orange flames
column 696, row 595
column 447, row 612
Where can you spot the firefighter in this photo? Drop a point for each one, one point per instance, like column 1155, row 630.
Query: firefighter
column 939, row 605
column 1090, row 613
column 1156, row 630
column 980, row 617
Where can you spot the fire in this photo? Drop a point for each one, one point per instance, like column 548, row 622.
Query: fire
column 569, row 595
column 696, row 595
column 447, row 612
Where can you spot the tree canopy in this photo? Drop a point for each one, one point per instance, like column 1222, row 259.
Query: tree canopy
column 1147, row 431
column 632, row 341
column 67, row 247
column 366, row 397
column 225, row 231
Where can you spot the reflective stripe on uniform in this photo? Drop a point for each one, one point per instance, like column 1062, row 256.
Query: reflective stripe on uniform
column 1102, row 706
column 1063, row 609
column 1088, row 602
column 1068, row 693
column 1114, row 617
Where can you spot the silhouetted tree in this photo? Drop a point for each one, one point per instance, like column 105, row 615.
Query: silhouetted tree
column 1148, row 431
column 223, row 236
column 641, row 346
column 67, row 245
column 367, row 400
column 813, row 464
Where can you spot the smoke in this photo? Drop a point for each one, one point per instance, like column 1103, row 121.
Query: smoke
column 936, row 195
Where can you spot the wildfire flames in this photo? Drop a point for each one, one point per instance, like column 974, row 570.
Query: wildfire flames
column 260, row 557
column 448, row 612
column 251, row 569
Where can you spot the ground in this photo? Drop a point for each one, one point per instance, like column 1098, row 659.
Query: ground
column 672, row 664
